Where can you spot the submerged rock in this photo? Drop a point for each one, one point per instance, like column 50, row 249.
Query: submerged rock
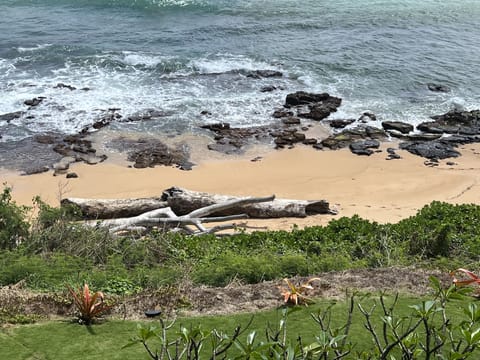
column 35, row 101
column 437, row 87
column 11, row 116
column 257, row 74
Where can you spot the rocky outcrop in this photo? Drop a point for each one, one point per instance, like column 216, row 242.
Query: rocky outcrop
column 360, row 140
column 150, row 152
column 437, row 149
column 453, row 122
column 319, row 106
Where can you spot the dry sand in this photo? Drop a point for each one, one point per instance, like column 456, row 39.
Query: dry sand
column 372, row 187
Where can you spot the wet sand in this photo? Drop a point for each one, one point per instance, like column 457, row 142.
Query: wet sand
column 372, row 187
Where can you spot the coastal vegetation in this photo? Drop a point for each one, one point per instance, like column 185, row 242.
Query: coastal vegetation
column 53, row 252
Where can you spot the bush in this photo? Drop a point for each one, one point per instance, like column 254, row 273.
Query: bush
column 13, row 226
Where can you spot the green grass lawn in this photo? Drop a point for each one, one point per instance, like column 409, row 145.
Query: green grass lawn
column 68, row 340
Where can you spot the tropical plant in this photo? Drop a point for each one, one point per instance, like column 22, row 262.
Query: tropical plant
column 295, row 295
column 472, row 278
column 89, row 305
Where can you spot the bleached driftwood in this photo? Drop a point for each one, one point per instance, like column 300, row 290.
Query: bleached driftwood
column 191, row 223
column 183, row 201
column 114, row 208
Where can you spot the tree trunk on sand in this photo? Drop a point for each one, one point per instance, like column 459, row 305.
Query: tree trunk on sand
column 183, row 201
column 114, row 208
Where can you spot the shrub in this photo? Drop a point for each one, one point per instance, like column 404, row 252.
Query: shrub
column 13, row 226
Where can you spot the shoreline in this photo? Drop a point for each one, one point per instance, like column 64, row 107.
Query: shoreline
column 368, row 186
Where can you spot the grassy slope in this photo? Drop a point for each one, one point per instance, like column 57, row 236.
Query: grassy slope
column 67, row 340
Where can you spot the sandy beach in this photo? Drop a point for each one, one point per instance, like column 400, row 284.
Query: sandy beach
column 372, row 187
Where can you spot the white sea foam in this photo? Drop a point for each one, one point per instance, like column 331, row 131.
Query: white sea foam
column 223, row 63
column 21, row 49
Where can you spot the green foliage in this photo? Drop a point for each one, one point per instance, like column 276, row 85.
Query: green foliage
column 48, row 215
column 13, row 225
column 371, row 328
column 53, row 251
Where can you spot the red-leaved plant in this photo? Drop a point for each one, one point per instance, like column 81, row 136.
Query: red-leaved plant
column 472, row 278
column 89, row 305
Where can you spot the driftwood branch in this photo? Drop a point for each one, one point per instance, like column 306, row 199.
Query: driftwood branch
column 166, row 218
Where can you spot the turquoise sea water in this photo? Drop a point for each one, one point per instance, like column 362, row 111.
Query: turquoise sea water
column 185, row 56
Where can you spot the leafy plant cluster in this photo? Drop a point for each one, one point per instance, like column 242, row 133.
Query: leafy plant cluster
column 55, row 250
column 428, row 331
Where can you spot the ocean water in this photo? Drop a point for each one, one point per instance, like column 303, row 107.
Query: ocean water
column 186, row 56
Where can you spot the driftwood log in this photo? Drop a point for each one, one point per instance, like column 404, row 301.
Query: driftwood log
column 114, row 208
column 183, row 202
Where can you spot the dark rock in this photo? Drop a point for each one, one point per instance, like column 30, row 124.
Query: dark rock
column 291, row 121
column 375, row 133
column 35, row 170
column 279, row 113
column 414, row 137
column 72, row 175
column 437, row 149
column 433, row 127
column 451, row 163
column 65, row 86
column 147, row 114
column 85, row 89
column 216, row 127
column 310, row 141
column 367, row 116
column 318, row 146
column 304, row 98
column 11, row 116
column 346, row 137
column 393, row 157
column 340, row 123
column 35, row 101
column 454, row 122
column 269, row 88
column 322, row 109
column 402, row 127
column 364, row 147
column 205, row 112
column 45, row 139
column 437, row 87
column 150, row 152
column 391, row 151
column 257, row 74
